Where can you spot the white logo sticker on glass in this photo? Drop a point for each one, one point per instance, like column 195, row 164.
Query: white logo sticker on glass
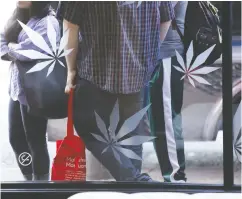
column 192, row 71
column 237, row 125
column 132, row 2
column 51, row 55
column 112, row 140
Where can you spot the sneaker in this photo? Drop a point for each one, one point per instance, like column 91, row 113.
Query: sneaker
column 178, row 177
column 144, row 177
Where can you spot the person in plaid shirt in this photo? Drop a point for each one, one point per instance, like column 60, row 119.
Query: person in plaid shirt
column 113, row 61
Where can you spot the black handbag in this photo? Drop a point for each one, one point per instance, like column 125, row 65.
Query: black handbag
column 45, row 95
column 203, row 28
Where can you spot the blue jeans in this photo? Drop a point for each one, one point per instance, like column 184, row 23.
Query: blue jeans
column 88, row 99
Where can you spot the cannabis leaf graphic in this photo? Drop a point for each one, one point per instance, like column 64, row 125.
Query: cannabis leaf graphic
column 237, row 147
column 193, row 71
column 8, row 159
column 112, row 139
column 132, row 2
column 237, row 125
column 52, row 55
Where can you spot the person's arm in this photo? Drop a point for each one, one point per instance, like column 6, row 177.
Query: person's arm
column 72, row 43
column 27, row 44
column 166, row 16
column 4, row 48
column 164, row 29
column 71, row 12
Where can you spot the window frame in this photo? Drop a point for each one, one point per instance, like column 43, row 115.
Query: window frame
column 66, row 189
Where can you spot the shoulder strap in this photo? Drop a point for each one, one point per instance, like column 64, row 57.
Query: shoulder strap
column 70, row 128
column 59, row 11
column 174, row 24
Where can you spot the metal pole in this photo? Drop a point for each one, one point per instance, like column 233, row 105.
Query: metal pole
column 227, row 96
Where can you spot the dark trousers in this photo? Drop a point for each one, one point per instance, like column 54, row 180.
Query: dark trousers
column 165, row 93
column 91, row 102
column 27, row 133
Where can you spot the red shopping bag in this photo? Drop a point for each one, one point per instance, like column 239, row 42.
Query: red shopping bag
column 70, row 161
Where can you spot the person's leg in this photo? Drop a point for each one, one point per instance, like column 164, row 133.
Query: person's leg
column 17, row 137
column 89, row 100
column 157, row 122
column 177, row 86
column 129, row 105
column 35, row 130
column 165, row 124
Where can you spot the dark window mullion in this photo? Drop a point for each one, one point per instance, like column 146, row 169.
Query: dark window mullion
column 227, row 96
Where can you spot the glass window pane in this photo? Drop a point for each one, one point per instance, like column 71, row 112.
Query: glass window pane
column 237, row 90
column 169, row 131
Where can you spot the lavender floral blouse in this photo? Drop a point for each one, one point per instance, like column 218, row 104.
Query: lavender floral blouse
column 24, row 43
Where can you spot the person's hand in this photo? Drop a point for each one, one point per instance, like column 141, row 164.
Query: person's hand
column 70, row 82
column 12, row 45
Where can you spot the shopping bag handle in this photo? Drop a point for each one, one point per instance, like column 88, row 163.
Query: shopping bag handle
column 70, row 128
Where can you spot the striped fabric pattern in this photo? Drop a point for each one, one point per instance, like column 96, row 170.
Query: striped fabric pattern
column 120, row 41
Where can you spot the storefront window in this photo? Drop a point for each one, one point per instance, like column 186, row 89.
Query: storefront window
column 175, row 136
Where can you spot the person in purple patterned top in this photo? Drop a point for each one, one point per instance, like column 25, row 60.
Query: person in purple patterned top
column 27, row 133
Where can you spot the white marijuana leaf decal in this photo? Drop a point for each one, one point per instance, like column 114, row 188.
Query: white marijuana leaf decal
column 132, row 2
column 52, row 55
column 237, row 125
column 193, row 71
column 110, row 138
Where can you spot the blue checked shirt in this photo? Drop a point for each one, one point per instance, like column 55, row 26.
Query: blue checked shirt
column 120, row 41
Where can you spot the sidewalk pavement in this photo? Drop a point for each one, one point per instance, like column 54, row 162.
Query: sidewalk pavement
column 203, row 164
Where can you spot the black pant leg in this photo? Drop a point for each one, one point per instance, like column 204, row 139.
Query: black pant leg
column 17, row 137
column 35, row 130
